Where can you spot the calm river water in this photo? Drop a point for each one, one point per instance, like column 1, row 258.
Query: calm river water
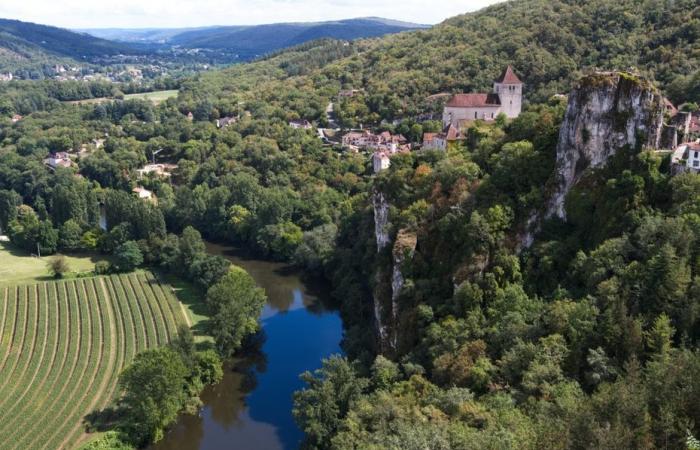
column 251, row 407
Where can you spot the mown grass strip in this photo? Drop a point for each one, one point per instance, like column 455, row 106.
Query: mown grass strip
column 163, row 304
column 104, row 363
column 9, row 330
column 48, row 397
column 70, row 383
column 66, row 344
column 36, row 363
column 45, row 371
column 143, row 308
column 127, row 320
column 18, row 350
column 3, row 318
column 84, row 378
column 135, row 313
column 37, row 327
column 167, row 293
column 153, row 308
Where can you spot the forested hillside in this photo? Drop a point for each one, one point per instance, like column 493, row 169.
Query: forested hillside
column 549, row 43
column 28, row 46
column 587, row 339
column 253, row 41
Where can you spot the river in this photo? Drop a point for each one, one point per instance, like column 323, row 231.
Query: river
column 252, row 407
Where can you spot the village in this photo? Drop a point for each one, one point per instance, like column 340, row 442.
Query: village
column 460, row 112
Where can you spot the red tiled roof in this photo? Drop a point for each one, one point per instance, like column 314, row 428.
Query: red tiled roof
column 452, row 133
column 427, row 137
column 508, row 77
column 474, row 100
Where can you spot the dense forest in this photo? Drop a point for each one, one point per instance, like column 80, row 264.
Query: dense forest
column 588, row 339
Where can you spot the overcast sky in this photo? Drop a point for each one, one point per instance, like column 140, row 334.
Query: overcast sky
column 184, row 13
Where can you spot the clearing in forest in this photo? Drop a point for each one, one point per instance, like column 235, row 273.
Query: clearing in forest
column 63, row 345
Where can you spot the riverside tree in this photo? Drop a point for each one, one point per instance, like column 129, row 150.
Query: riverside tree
column 235, row 302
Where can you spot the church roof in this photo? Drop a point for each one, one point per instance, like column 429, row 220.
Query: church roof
column 509, row 77
column 474, row 100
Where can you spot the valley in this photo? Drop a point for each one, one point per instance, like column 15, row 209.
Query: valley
column 478, row 234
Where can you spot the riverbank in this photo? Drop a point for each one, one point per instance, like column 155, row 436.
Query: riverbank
column 252, row 406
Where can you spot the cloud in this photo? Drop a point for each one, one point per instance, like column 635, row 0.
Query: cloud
column 183, row 13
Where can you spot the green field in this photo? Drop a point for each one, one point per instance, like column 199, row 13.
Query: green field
column 62, row 346
column 17, row 266
column 156, row 97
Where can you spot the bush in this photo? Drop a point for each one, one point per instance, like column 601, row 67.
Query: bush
column 102, row 268
column 58, row 266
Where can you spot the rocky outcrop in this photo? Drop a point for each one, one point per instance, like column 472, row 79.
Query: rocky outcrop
column 606, row 112
column 381, row 233
column 381, row 220
column 403, row 251
column 389, row 281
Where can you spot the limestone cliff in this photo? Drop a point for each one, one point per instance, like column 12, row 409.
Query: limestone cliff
column 606, row 112
column 381, row 233
column 381, row 220
column 389, row 281
column 402, row 253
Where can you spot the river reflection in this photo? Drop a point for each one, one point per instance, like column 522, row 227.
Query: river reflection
column 251, row 407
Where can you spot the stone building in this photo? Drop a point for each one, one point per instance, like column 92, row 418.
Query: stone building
column 506, row 98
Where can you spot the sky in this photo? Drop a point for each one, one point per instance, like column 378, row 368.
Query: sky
column 190, row 13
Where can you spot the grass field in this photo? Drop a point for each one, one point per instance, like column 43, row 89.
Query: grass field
column 62, row 346
column 17, row 266
column 156, row 97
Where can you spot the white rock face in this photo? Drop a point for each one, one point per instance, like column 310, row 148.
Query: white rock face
column 381, row 232
column 381, row 220
column 606, row 112
column 404, row 247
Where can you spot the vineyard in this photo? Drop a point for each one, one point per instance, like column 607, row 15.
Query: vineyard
column 62, row 346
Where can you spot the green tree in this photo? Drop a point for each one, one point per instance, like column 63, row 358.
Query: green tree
column 235, row 302
column 128, row 256
column 69, row 236
column 152, row 394
column 330, row 392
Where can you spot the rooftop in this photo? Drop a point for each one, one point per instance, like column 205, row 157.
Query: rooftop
column 474, row 100
column 508, row 77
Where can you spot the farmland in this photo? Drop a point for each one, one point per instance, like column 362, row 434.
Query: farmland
column 17, row 267
column 62, row 346
column 156, row 97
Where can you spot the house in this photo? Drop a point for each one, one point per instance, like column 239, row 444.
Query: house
column 190, row 116
column 693, row 156
column 143, row 193
column 160, row 170
column 434, row 141
column 506, row 98
column 380, row 161
column 348, row 93
column 384, row 141
column 225, row 121
column 686, row 158
column 439, row 141
column 6, row 76
column 60, row 159
column 16, row 118
column 300, row 124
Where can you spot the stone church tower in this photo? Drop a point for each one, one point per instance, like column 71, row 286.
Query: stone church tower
column 510, row 90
